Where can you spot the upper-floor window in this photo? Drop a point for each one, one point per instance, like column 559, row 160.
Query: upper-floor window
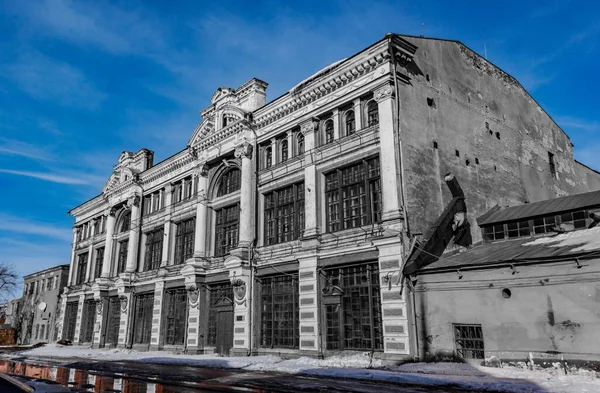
column 353, row 195
column 154, row 202
column 230, row 182
column 552, row 164
column 227, row 229
column 372, row 113
column 50, row 284
column 99, row 262
column 182, row 190
column 350, row 122
column 184, row 240
column 154, row 243
column 97, row 225
column 284, row 150
column 328, row 136
column 125, row 222
column 122, row 256
column 268, row 157
column 82, row 260
column 284, row 214
column 299, row 143
column 224, row 121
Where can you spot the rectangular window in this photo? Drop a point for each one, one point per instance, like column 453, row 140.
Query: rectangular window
column 227, row 229
column 284, row 214
column 182, row 190
column 99, row 262
column 353, row 196
column 81, row 267
column 147, row 202
column 353, row 308
column 469, row 341
column 518, row 229
column 184, row 240
column 177, row 192
column 122, row 256
column 552, row 164
column 70, row 320
column 89, row 317
column 154, row 245
column 494, row 232
column 143, row 318
column 50, row 284
column 175, row 316
column 544, row 224
column 577, row 219
column 279, row 312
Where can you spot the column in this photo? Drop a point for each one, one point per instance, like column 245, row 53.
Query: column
column 201, row 217
column 290, row 143
column 358, row 115
column 393, row 306
column 336, row 124
column 159, row 290
column 134, row 236
column 389, row 170
column 108, row 248
column 311, row 227
column 309, row 309
column 246, row 195
column 274, row 152
column 72, row 268
column 167, row 195
column 88, row 270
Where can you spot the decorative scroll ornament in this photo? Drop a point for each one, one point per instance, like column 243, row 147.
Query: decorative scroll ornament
column 244, row 150
column 113, row 211
column 135, row 201
column 239, row 290
column 383, row 93
column 193, row 295
column 331, row 289
column 203, row 170
column 124, row 304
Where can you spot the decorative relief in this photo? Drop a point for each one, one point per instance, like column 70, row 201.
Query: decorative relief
column 244, row 150
column 193, row 295
column 239, row 290
column 203, row 170
column 384, row 93
column 309, row 126
column 124, row 304
column 99, row 307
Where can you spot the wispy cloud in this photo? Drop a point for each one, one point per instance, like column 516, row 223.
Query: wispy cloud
column 11, row 223
column 19, row 148
column 73, row 179
column 579, row 124
column 48, row 79
column 588, row 155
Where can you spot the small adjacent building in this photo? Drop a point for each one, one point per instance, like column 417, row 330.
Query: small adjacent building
column 34, row 315
column 531, row 289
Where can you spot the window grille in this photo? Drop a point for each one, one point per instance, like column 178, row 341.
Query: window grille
column 544, row 224
column 221, row 296
column 227, row 229
column 230, row 182
column 495, row 232
column 99, row 262
column 89, row 317
column 50, row 283
column 280, row 312
column 284, row 214
column 372, row 113
column 355, row 321
column 81, row 267
column 176, row 316
column 42, row 331
column 184, row 240
column 154, row 245
column 328, row 131
column 122, row 256
column 353, row 196
column 350, row 123
column 469, row 341
column 143, row 318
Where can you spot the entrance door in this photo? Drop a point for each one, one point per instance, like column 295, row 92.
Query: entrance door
column 113, row 319
column 224, row 331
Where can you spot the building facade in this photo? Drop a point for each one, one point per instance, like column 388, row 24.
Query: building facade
column 282, row 227
column 34, row 316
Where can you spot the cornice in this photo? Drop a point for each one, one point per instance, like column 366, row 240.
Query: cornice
column 165, row 169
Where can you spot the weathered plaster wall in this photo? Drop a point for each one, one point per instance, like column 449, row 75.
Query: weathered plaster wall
column 467, row 92
column 553, row 309
column 591, row 176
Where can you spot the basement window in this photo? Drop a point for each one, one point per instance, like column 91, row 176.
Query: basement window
column 469, row 341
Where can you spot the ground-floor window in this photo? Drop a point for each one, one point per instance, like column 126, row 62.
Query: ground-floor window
column 175, row 316
column 279, row 311
column 87, row 324
column 352, row 308
column 70, row 320
column 113, row 321
column 220, row 317
column 144, row 305
column 469, row 341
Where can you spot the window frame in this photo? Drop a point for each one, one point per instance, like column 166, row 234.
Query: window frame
column 274, row 214
column 227, row 227
column 184, row 240
column 328, row 132
column 372, row 112
column 82, row 262
column 274, row 298
column 350, row 123
column 230, row 182
column 153, row 250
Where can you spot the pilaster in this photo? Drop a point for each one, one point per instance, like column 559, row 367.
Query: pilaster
column 79, row 318
column 127, row 308
column 99, row 326
column 358, row 118
column 200, row 254
column 167, row 226
column 239, row 275
column 159, row 292
column 309, row 309
column 88, row 270
column 132, row 248
column 247, row 191
column 108, row 248
column 336, row 124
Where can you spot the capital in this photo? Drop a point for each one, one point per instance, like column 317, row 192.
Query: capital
column 112, row 211
column 203, row 169
column 134, row 201
column 309, row 125
column 384, row 92
column 244, row 150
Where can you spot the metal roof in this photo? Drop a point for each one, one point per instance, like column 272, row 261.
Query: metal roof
column 515, row 250
column 542, row 208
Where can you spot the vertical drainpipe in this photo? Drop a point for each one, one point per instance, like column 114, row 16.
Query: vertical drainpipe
column 406, row 226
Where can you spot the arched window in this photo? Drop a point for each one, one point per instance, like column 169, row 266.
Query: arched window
column 230, row 182
column 268, row 157
column 350, row 123
column 284, row 150
column 300, row 143
column 372, row 113
column 328, row 131
column 224, row 122
column 125, row 222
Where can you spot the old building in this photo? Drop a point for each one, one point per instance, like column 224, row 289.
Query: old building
column 281, row 227
column 530, row 291
column 34, row 315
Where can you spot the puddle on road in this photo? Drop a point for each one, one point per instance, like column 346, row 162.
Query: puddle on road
column 91, row 381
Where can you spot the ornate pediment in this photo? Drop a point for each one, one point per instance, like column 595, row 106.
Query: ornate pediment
column 202, row 130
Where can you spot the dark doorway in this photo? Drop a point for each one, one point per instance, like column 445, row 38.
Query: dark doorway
column 113, row 319
column 70, row 320
column 175, row 316
column 142, row 328
column 224, row 331
column 89, row 317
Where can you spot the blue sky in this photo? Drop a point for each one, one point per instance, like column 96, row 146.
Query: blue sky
column 82, row 81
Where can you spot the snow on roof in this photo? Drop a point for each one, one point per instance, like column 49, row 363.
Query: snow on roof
column 586, row 240
column 317, row 75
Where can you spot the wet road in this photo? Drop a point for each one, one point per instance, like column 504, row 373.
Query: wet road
column 132, row 377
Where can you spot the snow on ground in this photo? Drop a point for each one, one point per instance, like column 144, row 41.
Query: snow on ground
column 458, row 375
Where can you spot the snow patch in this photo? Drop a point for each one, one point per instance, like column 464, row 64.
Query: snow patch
column 586, row 239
